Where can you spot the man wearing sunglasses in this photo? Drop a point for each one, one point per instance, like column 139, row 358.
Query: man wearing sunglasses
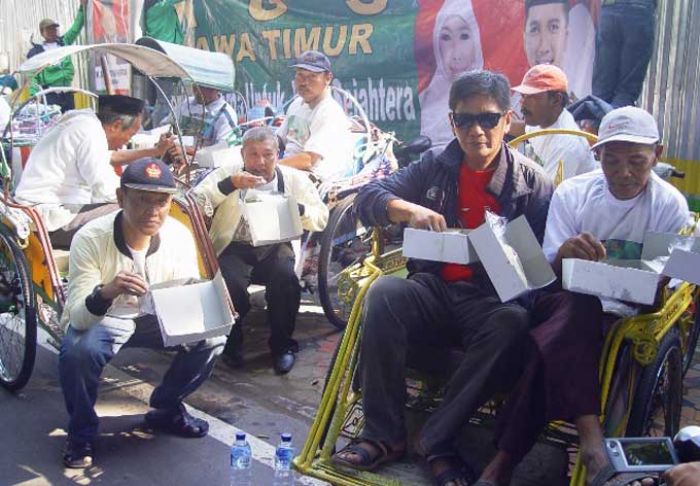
column 441, row 304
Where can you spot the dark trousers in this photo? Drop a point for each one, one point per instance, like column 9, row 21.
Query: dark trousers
column 560, row 379
column 64, row 100
column 84, row 354
column 624, row 45
column 273, row 267
column 425, row 311
column 62, row 237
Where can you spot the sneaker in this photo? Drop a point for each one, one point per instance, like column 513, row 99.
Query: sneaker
column 77, row 454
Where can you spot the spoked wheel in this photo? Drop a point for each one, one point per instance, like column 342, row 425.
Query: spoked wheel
column 343, row 243
column 18, row 319
column 656, row 410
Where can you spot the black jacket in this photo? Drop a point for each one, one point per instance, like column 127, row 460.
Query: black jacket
column 519, row 184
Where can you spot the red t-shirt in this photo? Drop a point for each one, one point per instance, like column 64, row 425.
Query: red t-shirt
column 472, row 201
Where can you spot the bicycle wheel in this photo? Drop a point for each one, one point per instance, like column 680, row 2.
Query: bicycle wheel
column 18, row 318
column 692, row 344
column 656, row 409
column 342, row 244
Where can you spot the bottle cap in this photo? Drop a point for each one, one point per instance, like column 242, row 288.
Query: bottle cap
column 240, row 435
column 286, row 437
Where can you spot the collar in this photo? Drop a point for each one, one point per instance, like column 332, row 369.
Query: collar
column 505, row 175
column 120, row 242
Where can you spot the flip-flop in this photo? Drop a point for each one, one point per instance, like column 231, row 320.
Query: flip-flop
column 458, row 471
column 366, row 462
column 178, row 423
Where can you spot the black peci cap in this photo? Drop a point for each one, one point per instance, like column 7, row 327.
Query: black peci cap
column 121, row 104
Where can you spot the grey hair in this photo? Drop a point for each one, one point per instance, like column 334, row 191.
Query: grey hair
column 481, row 83
column 260, row 134
column 107, row 117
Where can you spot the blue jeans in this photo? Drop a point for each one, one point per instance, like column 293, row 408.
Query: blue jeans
column 84, row 354
column 624, row 45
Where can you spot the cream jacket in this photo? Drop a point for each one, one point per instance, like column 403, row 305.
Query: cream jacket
column 228, row 211
column 98, row 252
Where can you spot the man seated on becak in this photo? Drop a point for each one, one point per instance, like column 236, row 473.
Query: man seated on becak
column 443, row 304
column 316, row 131
column 207, row 116
column 69, row 177
column 113, row 261
column 599, row 215
column 544, row 91
column 271, row 265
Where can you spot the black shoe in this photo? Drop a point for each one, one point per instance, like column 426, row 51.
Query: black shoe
column 283, row 363
column 77, row 455
column 233, row 360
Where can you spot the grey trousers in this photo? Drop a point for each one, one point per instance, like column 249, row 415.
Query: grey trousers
column 425, row 311
column 84, row 354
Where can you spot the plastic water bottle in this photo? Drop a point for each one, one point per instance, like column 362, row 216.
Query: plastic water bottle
column 241, row 457
column 284, row 474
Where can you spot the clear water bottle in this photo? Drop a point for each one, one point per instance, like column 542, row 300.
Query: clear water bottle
column 241, row 459
column 284, row 474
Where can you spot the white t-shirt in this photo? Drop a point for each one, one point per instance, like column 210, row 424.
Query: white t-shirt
column 219, row 120
column 548, row 150
column 323, row 130
column 585, row 203
column 70, row 164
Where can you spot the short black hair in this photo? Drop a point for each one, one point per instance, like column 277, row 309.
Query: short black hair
column 563, row 96
column 534, row 3
column 481, row 82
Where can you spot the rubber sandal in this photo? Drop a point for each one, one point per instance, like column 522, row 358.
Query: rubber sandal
column 367, row 462
column 458, row 472
column 178, row 423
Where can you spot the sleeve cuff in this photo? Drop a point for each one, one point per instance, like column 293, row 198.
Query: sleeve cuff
column 96, row 304
column 226, row 186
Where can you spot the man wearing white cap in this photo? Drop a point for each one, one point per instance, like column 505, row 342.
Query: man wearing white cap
column 544, row 91
column 595, row 216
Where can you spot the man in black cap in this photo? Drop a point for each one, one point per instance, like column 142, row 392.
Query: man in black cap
column 70, row 177
column 316, row 131
column 113, row 261
column 60, row 74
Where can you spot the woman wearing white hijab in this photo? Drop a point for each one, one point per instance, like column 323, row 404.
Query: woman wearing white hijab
column 457, row 48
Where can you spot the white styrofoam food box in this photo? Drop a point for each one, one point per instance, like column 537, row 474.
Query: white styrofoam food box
column 272, row 218
column 451, row 246
column 516, row 265
column 636, row 280
column 190, row 313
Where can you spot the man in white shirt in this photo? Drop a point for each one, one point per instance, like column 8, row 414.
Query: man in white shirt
column 69, row 177
column 316, row 131
column 113, row 261
column 272, row 264
column 544, row 98
column 207, row 116
column 600, row 215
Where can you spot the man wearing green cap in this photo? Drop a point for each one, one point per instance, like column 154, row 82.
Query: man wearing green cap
column 60, row 74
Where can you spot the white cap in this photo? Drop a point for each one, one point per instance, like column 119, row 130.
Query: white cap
column 628, row 124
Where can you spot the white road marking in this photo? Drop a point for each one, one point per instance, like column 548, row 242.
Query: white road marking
column 263, row 451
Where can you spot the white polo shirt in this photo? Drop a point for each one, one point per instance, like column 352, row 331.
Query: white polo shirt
column 323, row 130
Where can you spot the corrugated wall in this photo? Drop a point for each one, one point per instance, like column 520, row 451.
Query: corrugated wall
column 672, row 90
column 19, row 20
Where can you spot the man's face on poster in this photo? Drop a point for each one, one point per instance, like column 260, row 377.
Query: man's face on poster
column 546, row 30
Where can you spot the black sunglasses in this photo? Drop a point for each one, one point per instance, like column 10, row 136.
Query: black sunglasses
column 484, row 120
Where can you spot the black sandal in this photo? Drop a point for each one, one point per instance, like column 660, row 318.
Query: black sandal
column 458, row 472
column 177, row 422
column 366, row 462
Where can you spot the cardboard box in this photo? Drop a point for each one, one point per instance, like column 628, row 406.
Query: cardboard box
column 218, row 155
column 271, row 217
column 190, row 313
column 451, row 246
column 636, row 280
column 515, row 265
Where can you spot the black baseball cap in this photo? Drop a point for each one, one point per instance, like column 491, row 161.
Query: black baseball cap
column 149, row 175
column 313, row 61
column 124, row 105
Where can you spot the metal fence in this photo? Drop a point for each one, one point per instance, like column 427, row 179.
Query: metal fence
column 672, row 89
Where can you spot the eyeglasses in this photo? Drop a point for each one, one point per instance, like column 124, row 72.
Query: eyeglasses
column 484, row 120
